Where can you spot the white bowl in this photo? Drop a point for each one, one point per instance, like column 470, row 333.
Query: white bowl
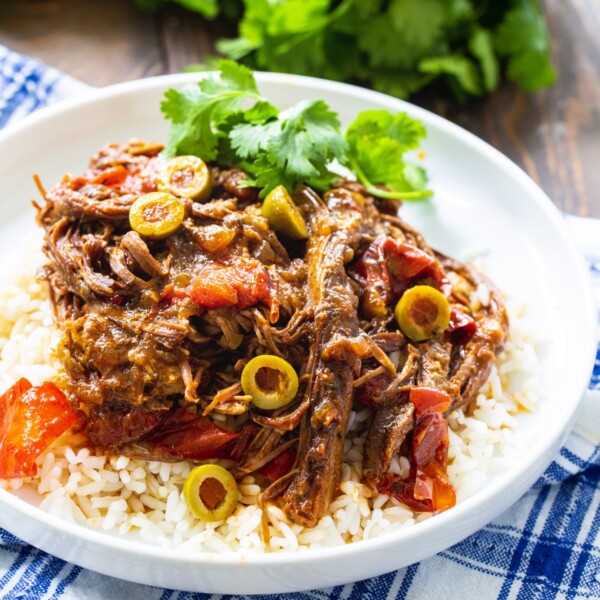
column 482, row 200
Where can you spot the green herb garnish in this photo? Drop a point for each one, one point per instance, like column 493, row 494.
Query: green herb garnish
column 395, row 46
column 227, row 120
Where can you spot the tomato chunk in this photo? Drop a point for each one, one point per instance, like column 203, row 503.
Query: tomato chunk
column 112, row 177
column 31, row 419
column 242, row 283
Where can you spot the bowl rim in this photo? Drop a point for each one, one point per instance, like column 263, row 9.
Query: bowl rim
column 554, row 435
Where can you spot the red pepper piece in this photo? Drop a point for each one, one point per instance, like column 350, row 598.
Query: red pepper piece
column 187, row 435
column 444, row 496
column 116, row 299
column 279, row 466
column 462, row 327
column 423, row 487
column 371, row 389
column 12, row 395
column 430, row 440
column 32, row 418
column 372, row 271
column 115, row 426
column 405, row 260
column 427, row 487
column 388, row 267
column 403, row 490
column 236, row 449
column 428, row 400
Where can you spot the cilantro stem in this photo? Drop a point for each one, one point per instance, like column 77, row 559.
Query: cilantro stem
column 386, row 194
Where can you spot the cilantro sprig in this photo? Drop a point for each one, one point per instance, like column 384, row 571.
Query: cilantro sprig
column 227, row 120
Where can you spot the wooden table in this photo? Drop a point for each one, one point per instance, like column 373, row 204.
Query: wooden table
column 554, row 134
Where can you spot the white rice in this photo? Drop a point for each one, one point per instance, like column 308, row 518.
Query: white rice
column 144, row 498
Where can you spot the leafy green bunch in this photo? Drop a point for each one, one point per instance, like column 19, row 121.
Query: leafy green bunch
column 226, row 119
column 396, row 46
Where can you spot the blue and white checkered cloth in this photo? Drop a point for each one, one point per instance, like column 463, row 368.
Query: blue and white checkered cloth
column 546, row 546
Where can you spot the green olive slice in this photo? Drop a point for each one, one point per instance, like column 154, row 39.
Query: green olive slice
column 185, row 177
column 156, row 215
column 211, row 492
column 283, row 215
column 422, row 313
column 271, row 381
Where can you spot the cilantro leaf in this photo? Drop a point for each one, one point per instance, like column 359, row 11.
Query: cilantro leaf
column 312, row 132
column 298, row 145
column 378, row 141
column 249, row 139
column 481, row 46
column 522, row 37
column 420, row 23
column 207, row 8
column 197, row 110
column 458, row 66
column 382, row 46
column 404, row 130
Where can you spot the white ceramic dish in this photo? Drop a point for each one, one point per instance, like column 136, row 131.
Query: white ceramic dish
column 482, row 200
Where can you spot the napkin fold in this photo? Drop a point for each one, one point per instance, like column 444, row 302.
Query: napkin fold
column 545, row 546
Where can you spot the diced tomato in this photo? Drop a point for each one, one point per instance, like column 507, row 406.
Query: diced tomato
column 141, row 178
column 239, row 281
column 31, row 419
column 187, row 435
column 242, row 282
column 462, row 326
column 138, row 178
column 279, row 466
column 73, row 183
column 410, row 265
column 428, row 399
column 112, row 177
column 215, row 287
column 172, row 292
